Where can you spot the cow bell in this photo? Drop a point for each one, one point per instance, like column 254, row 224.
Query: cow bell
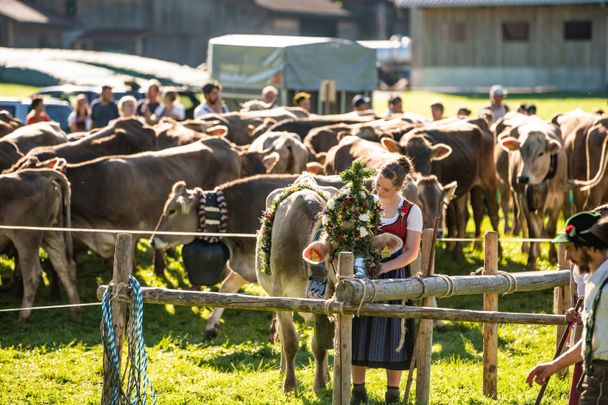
column 205, row 262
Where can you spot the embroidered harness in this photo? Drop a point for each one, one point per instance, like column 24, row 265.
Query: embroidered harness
column 212, row 213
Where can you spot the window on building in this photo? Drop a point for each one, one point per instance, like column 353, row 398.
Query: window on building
column 70, row 8
column 577, row 30
column 515, row 31
column 454, row 32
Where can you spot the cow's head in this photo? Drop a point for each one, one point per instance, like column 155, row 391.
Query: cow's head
column 534, row 147
column 419, row 149
column 324, row 251
column 180, row 214
column 433, row 199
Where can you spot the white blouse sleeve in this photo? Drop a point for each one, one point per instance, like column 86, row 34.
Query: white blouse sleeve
column 414, row 219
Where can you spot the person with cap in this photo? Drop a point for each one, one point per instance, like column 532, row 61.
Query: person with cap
column 103, row 109
column 586, row 244
column 497, row 96
column 361, row 103
column 269, row 95
column 213, row 102
column 437, row 110
column 302, row 100
column 395, row 106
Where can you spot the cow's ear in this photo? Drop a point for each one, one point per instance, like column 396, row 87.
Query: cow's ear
column 390, row 144
column 509, row 143
column 179, row 187
column 316, row 252
column 315, row 168
column 388, row 241
column 270, row 161
column 554, row 146
column 440, row 151
column 217, row 130
column 320, row 157
column 449, row 190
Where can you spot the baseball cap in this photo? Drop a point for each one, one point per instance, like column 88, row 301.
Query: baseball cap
column 578, row 230
column 300, row 96
column 497, row 90
column 360, row 99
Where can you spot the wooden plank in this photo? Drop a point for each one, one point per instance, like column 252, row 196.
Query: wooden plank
column 123, row 265
column 385, row 290
column 257, row 303
column 343, row 340
column 425, row 327
column 490, row 331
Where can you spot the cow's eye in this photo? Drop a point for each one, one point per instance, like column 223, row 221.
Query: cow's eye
column 540, row 154
column 172, row 211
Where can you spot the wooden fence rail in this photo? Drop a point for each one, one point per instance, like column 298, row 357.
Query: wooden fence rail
column 349, row 295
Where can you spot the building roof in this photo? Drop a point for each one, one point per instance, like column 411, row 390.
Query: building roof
column 325, row 8
column 25, row 12
column 270, row 41
column 489, row 3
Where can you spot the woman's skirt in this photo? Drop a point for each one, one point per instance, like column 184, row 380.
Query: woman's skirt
column 376, row 339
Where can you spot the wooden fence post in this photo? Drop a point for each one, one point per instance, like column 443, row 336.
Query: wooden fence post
column 123, row 265
column 343, row 340
column 561, row 302
column 490, row 331
column 425, row 326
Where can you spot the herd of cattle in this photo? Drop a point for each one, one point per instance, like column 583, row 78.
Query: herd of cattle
column 132, row 176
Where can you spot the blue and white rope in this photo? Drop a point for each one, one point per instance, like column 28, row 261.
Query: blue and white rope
column 109, row 343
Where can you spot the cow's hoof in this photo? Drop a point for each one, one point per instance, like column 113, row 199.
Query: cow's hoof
column 290, row 386
column 76, row 316
column 210, row 334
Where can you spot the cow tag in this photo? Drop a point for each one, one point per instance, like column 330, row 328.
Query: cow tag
column 316, row 252
column 509, row 144
column 554, row 146
column 441, row 151
column 315, row 168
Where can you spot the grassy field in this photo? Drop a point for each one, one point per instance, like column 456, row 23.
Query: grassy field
column 16, row 90
column 548, row 104
column 50, row 360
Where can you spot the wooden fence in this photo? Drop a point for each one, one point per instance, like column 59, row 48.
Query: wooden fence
column 355, row 296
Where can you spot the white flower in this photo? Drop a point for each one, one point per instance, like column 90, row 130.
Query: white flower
column 362, row 194
column 331, row 204
column 364, row 218
column 324, row 220
column 363, row 231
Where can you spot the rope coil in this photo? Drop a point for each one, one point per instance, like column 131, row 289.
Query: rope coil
column 139, row 388
column 511, row 280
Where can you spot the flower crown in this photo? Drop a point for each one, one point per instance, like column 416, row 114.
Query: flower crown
column 352, row 218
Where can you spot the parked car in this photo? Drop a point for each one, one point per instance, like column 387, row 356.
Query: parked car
column 58, row 110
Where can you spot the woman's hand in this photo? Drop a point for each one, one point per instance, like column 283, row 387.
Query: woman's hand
column 572, row 315
column 541, row 373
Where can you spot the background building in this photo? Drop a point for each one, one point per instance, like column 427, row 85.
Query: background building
column 179, row 30
column 466, row 45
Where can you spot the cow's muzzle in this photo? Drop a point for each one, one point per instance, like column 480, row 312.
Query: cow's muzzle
column 156, row 243
column 523, row 180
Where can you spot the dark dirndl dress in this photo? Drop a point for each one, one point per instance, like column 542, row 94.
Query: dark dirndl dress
column 376, row 339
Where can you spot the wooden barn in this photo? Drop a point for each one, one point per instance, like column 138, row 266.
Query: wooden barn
column 469, row 45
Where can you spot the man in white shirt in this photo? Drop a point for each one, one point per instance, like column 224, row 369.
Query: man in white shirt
column 586, row 239
column 213, row 101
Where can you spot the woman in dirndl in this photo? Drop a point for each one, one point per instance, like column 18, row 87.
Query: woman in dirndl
column 377, row 342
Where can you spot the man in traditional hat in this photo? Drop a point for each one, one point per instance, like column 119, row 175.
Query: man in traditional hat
column 302, row 100
column 361, row 103
column 497, row 106
column 586, row 239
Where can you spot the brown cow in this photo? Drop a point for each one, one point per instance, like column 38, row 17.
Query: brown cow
column 39, row 198
column 9, row 155
column 283, row 152
column 243, row 217
column 40, row 134
column 538, row 179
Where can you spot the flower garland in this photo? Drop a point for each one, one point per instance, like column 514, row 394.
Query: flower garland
column 352, row 219
column 267, row 220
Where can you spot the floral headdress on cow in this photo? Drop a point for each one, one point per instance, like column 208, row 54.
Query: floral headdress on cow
column 352, row 219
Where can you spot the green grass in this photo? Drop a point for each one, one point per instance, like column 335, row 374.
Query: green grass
column 16, row 90
column 547, row 104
